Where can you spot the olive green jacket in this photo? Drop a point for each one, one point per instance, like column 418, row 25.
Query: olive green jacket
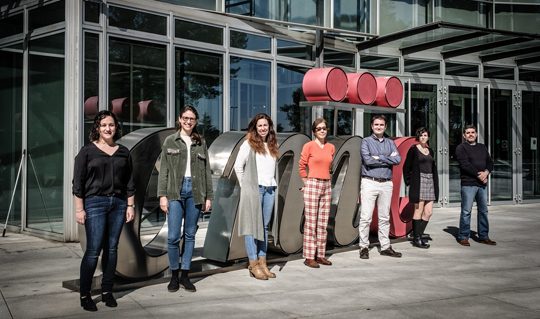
column 173, row 167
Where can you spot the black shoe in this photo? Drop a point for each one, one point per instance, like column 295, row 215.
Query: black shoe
column 185, row 283
column 109, row 300
column 417, row 234
column 418, row 242
column 88, row 304
column 364, row 253
column 390, row 252
column 173, row 285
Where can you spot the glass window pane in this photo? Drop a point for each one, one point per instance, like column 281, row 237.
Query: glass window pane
column 91, row 12
column 339, row 58
column 519, row 18
column 250, row 91
column 290, row 116
column 379, row 63
column 198, row 32
column 344, row 123
column 498, row 73
column 135, row 20
column 307, row 12
column 352, row 15
column 45, row 167
column 51, row 45
column 201, row 4
column 466, row 12
column 91, row 81
column 11, row 79
column 397, row 15
column 422, row 66
column 529, row 75
column 300, row 11
column 11, row 26
column 250, row 42
column 328, row 115
column 199, row 83
column 294, row 50
column 137, row 83
column 46, row 15
column 462, row 69
column 423, row 111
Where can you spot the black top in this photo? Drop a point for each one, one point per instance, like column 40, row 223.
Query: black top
column 98, row 173
column 425, row 161
column 472, row 160
column 411, row 174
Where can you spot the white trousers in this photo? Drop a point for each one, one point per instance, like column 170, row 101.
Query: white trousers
column 372, row 192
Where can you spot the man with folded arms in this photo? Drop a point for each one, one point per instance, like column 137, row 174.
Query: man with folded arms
column 475, row 164
column 379, row 155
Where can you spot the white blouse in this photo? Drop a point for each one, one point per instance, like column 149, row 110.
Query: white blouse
column 266, row 165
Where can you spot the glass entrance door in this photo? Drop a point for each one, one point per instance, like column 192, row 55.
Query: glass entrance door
column 500, row 141
column 421, row 104
column 530, row 168
column 460, row 104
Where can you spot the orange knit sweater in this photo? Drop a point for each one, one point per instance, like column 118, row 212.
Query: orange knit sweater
column 317, row 160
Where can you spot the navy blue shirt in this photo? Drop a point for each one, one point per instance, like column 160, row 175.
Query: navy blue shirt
column 382, row 167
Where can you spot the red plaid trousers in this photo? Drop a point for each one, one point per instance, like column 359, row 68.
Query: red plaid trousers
column 317, row 196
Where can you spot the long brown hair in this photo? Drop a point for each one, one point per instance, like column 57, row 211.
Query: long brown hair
column 195, row 136
column 256, row 142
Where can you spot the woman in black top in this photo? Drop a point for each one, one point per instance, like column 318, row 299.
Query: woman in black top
column 104, row 191
column 420, row 173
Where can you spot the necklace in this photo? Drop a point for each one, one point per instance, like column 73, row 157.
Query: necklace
column 423, row 150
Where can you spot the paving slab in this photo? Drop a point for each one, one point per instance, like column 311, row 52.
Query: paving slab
column 445, row 281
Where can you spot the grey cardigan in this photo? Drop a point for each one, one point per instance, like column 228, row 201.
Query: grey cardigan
column 250, row 218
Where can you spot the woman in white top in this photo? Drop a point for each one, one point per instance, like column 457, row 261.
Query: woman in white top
column 255, row 168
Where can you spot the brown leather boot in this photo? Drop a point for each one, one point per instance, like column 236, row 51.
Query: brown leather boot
column 264, row 268
column 256, row 271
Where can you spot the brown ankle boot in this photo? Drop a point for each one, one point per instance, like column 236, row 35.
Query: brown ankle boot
column 256, row 271
column 264, row 268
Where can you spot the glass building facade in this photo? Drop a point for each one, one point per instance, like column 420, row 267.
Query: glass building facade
column 460, row 61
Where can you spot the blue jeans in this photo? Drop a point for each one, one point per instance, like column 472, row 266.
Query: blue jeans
column 468, row 195
column 255, row 247
column 105, row 218
column 186, row 209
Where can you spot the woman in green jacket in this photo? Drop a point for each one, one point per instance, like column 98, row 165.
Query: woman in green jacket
column 184, row 190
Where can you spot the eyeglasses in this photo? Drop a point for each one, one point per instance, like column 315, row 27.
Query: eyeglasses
column 318, row 129
column 189, row 119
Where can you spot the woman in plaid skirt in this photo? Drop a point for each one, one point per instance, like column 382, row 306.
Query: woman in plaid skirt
column 420, row 173
column 255, row 168
column 317, row 157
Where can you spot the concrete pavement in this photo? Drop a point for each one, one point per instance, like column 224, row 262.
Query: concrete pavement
column 445, row 281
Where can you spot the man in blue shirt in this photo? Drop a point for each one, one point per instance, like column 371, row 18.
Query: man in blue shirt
column 379, row 155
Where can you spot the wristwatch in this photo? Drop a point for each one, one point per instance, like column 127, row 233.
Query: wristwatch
column 131, row 205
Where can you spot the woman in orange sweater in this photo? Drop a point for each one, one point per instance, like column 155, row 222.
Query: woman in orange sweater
column 317, row 158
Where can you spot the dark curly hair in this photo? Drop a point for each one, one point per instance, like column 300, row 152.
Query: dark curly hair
column 420, row 131
column 195, row 136
column 94, row 131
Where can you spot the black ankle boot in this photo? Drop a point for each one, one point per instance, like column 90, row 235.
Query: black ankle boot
column 423, row 225
column 173, row 285
column 88, row 304
column 185, row 283
column 109, row 300
column 417, row 241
